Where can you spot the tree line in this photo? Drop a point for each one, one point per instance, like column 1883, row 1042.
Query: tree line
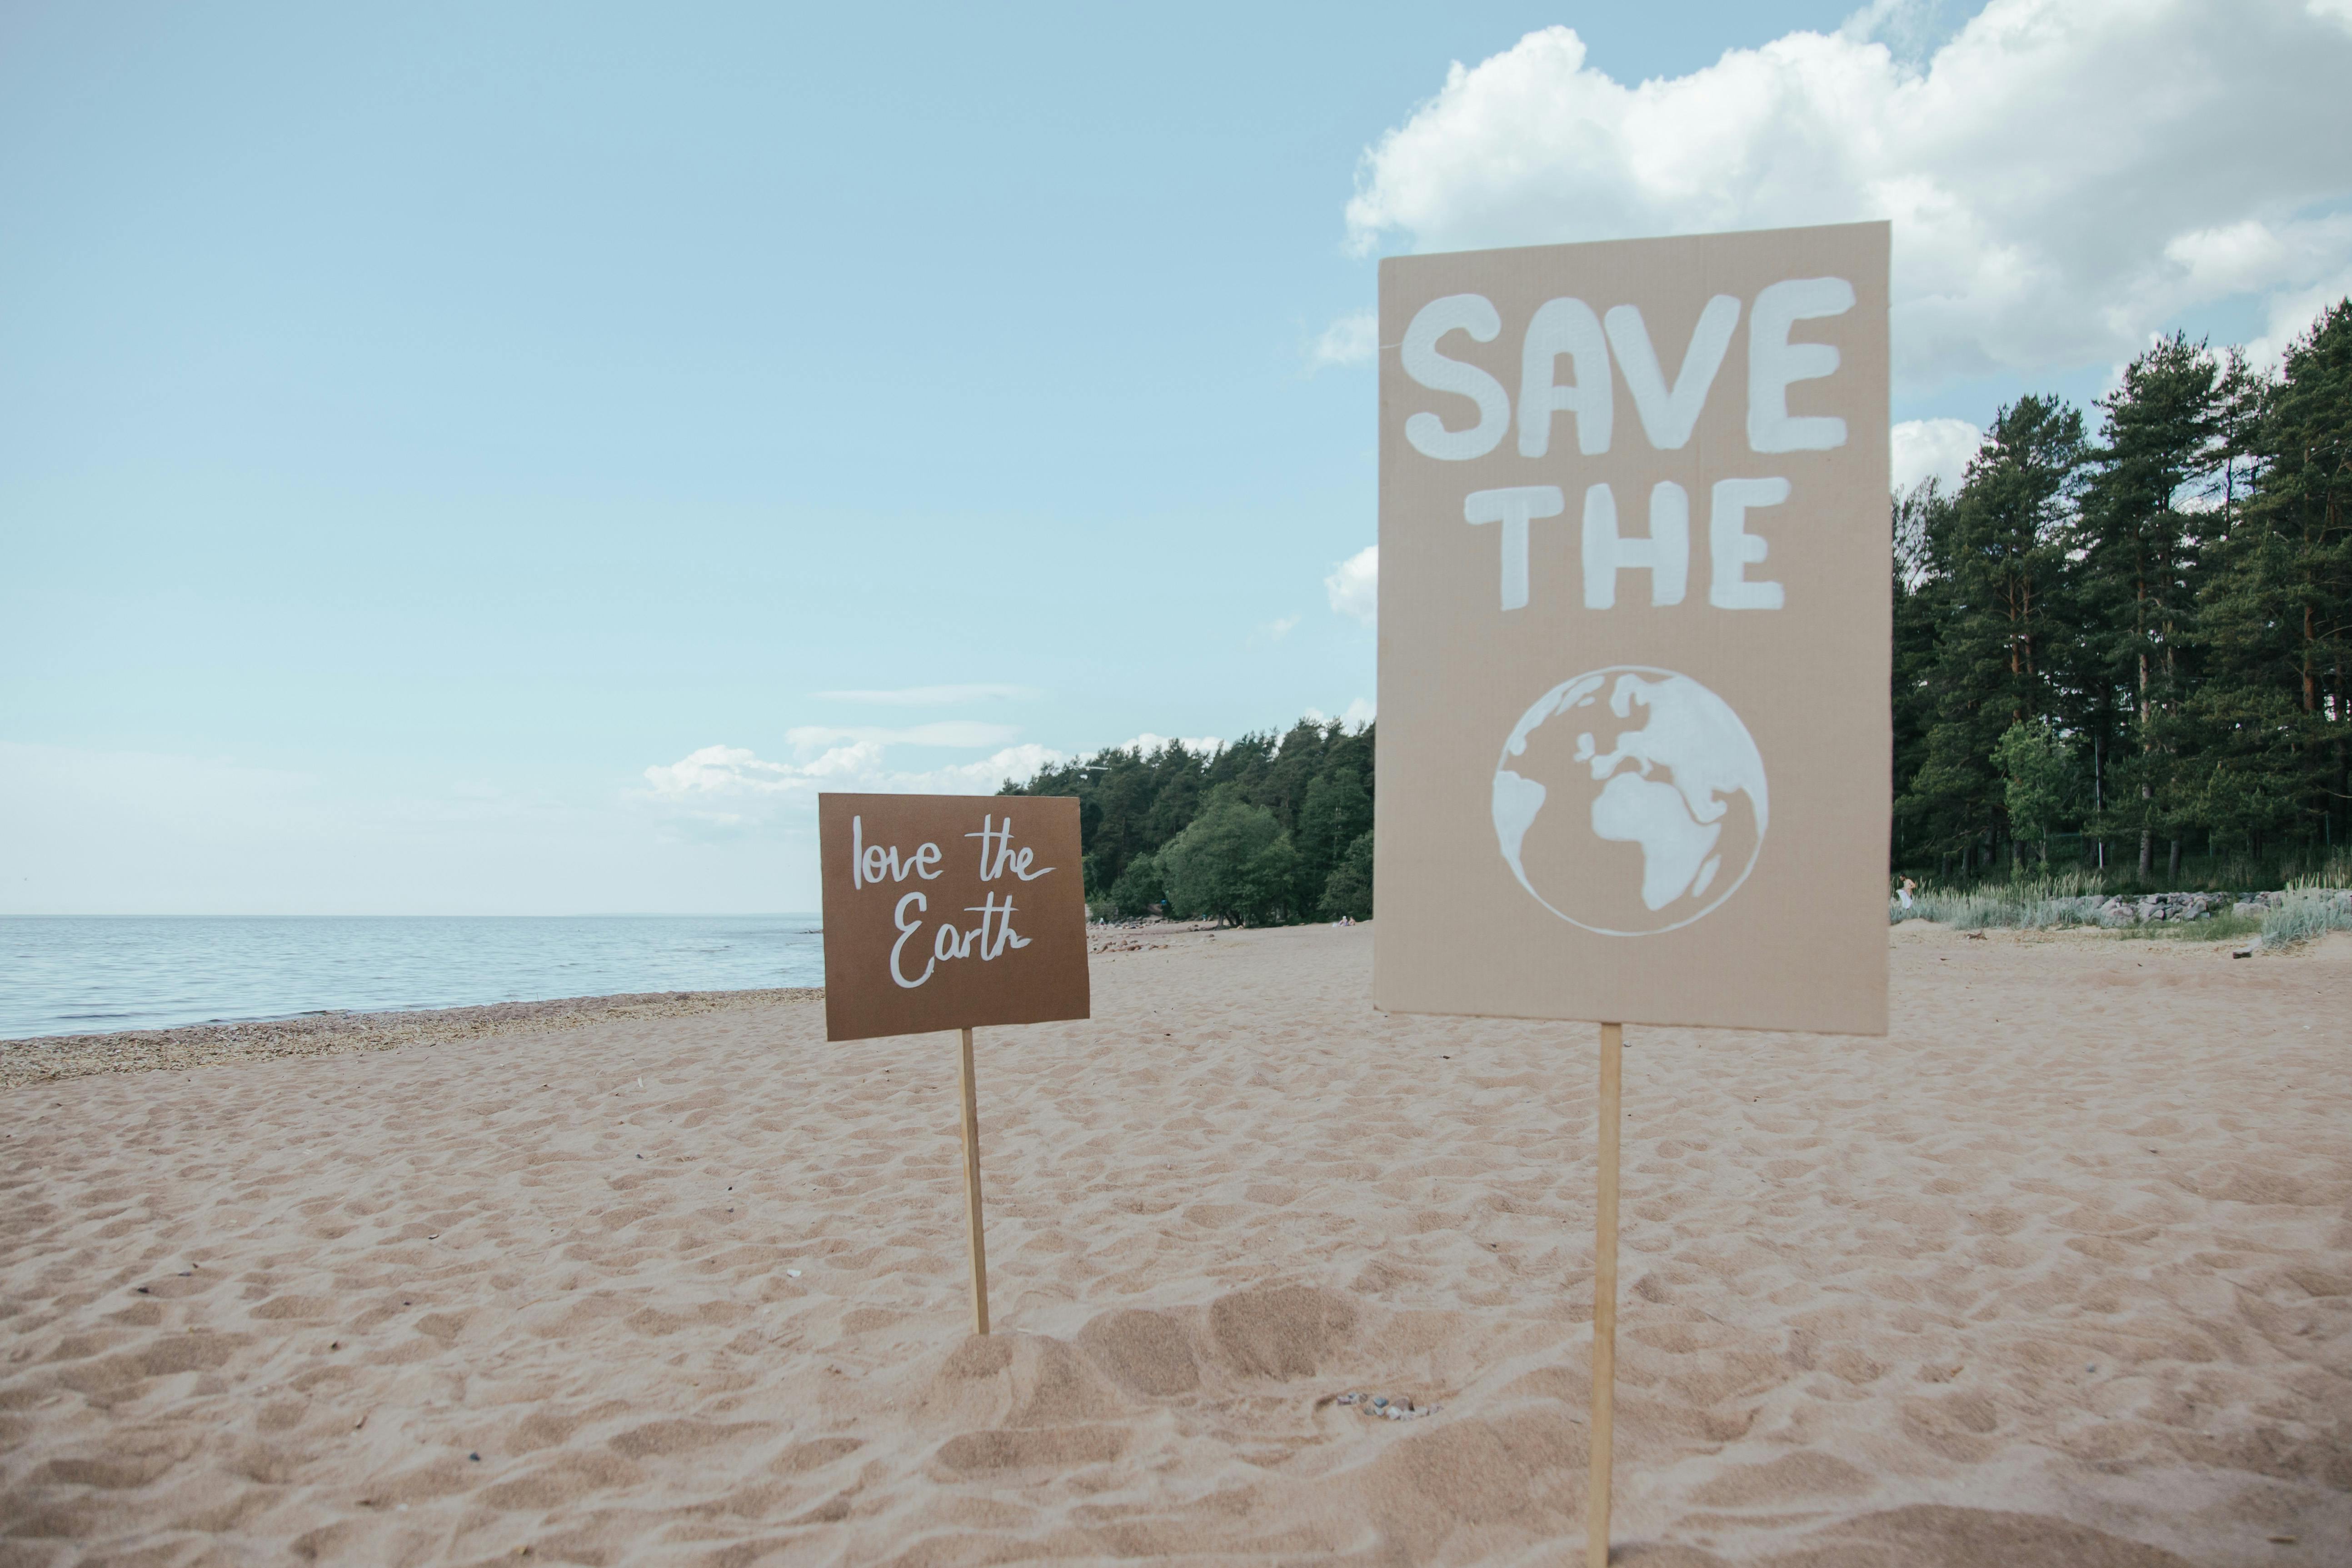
column 2123, row 641
column 2120, row 643
column 1268, row 830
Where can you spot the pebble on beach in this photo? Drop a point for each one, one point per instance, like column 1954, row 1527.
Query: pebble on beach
column 1398, row 1407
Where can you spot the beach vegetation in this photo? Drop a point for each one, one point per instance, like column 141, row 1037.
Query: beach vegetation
column 2299, row 917
column 2212, row 928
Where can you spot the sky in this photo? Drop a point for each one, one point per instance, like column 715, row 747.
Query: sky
column 464, row 459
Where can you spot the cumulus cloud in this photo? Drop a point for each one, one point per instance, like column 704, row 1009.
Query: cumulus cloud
column 1350, row 339
column 932, row 695
column 2064, row 176
column 952, row 732
column 2291, row 314
column 723, row 792
column 1933, row 448
column 735, row 786
column 1358, row 714
column 1279, row 627
column 1354, row 586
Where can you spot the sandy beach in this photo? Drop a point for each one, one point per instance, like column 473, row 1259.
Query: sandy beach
column 2059, row 1274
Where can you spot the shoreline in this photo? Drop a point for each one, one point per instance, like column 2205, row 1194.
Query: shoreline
column 50, row 1059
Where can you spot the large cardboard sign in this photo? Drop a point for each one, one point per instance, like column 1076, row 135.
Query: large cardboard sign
column 950, row 911
column 1634, row 631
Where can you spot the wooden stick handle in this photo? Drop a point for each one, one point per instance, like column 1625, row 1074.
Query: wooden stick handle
column 1604, row 1300
column 972, row 1193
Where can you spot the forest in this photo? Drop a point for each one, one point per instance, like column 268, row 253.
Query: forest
column 1269, row 830
column 2121, row 643
column 2121, row 648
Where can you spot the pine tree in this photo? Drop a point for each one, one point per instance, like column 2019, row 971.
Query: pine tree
column 2139, row 541
column 2278, row 611
column 1920, row 598
column 1999, row 551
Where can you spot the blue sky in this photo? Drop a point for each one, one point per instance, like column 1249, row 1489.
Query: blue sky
column 472, row 460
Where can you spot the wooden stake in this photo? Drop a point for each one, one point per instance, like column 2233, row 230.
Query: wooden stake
column 972, row 1193
column 1604, row 1300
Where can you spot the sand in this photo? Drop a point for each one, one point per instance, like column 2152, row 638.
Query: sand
column 2060, row 1274
column 340, row 1033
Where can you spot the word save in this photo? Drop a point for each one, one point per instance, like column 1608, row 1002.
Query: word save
column 876, row 864
column 1598, row 349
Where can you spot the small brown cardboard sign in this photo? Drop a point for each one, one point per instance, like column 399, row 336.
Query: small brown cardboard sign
column 1634, row 565
column 950, row 911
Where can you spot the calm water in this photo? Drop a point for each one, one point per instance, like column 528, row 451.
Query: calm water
column 79, row 975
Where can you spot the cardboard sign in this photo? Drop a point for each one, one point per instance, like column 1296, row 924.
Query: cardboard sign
column 950, row 911
column 1634, row 748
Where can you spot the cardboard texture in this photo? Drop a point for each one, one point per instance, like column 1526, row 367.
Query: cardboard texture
column 950, row 911
column 1634, row 747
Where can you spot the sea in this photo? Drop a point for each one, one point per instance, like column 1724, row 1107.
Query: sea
column 87, row 974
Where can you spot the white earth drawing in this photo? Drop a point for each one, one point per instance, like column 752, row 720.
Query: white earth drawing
column 1647, row 831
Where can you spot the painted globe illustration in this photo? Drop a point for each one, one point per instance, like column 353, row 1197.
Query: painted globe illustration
column 1630, row 801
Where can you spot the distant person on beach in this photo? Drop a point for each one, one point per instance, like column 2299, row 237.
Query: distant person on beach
column 1906, row 890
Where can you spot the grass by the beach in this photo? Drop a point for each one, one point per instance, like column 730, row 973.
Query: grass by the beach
column 2079, row 899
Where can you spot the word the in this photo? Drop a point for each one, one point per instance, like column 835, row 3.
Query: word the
column 1004, row 857
column 1664, row 554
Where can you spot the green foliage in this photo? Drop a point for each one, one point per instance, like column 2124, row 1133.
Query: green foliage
column 1233, row 862
column 2334, row 870
column 1139, row 886
column 1347, row 891
column 2038, row 766
column 2136, row 646
column 1990, row 562
column 1314, row 783
column 1336, row 811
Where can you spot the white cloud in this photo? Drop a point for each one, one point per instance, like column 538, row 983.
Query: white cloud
column 2292, row 314
column 1352, row 339
column 2064, row 176
column 953, row 733
column 735, row 785
column 1354, row 586
column 1279, row 627
column 933, row 696
column 1936, row 448
column 1358, row 714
